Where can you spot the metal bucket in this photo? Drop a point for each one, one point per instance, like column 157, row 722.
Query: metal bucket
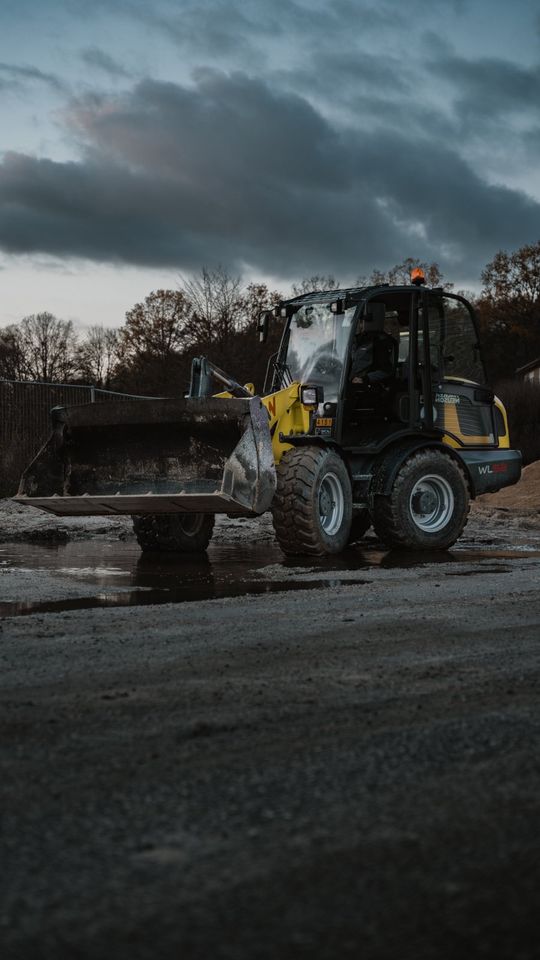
column 209, row 455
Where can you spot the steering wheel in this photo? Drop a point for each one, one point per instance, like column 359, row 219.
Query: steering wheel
column 326, row 365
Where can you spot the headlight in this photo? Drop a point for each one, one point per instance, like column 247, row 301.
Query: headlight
column 311, row 396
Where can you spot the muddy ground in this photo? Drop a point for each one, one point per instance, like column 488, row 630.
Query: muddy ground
column 349, row 768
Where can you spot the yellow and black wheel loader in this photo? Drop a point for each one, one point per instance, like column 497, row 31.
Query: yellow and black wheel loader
column 376, row 411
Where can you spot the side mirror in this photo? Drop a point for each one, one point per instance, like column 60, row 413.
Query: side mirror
column 262, row 326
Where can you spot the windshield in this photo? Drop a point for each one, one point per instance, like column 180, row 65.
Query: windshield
column 317, row 349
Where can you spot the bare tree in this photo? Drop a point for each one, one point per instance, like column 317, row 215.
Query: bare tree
column 98, row 355
column 224, row 320
column 151, row 344
column 514, row 278
column 256, row 298
column 157, row 327
column 217, row 306
column 509, row 309
column 316, row 282
column 401, row 274
column 212, row 314
column 11, row 365
column 47, row 347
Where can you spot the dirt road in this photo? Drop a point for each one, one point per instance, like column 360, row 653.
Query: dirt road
column 337, row 771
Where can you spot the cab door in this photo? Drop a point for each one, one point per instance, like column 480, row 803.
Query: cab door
column 462, row 402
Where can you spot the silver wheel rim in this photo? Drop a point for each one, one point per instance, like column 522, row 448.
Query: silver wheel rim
column 331, row 504
column 431, row 504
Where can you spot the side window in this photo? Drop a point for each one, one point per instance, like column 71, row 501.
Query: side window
column 436, row 327
column 460, row 343
column 396, row 323
column 390, row 315
column 391, row 325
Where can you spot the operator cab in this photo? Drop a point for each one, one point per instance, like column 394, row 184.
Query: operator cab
column 378, row 353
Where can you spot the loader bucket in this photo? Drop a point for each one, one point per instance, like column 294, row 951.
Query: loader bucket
column 208, row 455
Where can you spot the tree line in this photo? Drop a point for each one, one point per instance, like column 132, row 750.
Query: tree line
column 215, row 314
column 151, row 353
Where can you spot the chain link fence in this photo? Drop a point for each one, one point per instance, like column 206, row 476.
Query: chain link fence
column 25, row 421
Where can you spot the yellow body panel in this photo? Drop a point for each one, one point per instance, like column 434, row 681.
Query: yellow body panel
column 451, row 423
column 287, row 416
column 504, row 441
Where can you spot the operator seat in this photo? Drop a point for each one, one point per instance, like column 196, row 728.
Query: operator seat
column 375, row 353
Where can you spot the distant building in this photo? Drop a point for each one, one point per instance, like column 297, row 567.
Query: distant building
column 530, row 373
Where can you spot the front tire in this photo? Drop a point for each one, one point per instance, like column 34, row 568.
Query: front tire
column 174, row 532
column 312, row 507
column 428, row 506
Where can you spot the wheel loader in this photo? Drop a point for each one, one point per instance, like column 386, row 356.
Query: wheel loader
column 375, row 412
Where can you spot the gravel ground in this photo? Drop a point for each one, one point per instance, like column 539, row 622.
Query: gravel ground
column 347, row 771
column 20, row 524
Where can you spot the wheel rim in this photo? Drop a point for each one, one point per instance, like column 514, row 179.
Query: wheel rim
column 331, row 504
column 431, row 503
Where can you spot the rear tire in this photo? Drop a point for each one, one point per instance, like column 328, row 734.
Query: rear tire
column 312, row 507
column 174, row 532
column 428, row 506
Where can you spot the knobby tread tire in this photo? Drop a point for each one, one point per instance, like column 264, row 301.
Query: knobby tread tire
column 295, row 508
column 391, row 516
column 174, row 532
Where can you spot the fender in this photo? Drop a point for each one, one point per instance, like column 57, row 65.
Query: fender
column 485, row 470
column 491, row 470
column 311, row 440
column 389, row 463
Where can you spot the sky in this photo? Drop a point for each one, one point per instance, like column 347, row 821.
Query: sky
column 141, row 140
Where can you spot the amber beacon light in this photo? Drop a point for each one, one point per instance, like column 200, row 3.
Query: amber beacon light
column 418, row 276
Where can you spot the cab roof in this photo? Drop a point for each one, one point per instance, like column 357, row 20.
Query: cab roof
column 352, row 294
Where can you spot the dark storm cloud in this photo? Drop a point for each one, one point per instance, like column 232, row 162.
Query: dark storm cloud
column 18, row 75
column 95, row 58
column 210, row 26
column 491, row 87
column 243, row 30
column 11, row 85
column 346, row 76
column 231, row 171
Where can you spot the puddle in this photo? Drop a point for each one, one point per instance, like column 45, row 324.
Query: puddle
column 141, row 598
column 122, row 576
column 478, row 570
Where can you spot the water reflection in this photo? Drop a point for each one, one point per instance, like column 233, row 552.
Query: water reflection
column 123, row 576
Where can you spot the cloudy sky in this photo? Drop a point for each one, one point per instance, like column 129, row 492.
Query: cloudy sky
column 143, row 139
